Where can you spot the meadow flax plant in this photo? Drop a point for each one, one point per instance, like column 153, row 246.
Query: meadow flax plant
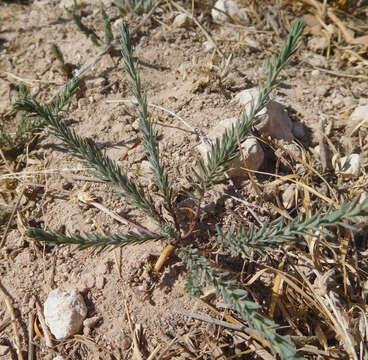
column 200, row 270
column 109, row 37
column 226, row 148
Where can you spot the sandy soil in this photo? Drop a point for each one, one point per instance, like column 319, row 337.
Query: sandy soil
column 180, row 74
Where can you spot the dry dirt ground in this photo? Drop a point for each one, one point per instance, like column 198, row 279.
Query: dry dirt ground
column 180, row 73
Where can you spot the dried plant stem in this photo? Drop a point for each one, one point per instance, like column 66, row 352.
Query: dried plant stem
column 194, row 130
column 3, row 239
column 164, row 256
column 31, row 318
column 117, row 217
column 45, row 329
column 8, row 302
column 211, row 320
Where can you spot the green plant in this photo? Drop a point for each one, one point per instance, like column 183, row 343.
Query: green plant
column 65, row 67
column 200, row 269
column 27, row 127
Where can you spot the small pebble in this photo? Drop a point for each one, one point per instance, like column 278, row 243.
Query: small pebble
column 350, row 166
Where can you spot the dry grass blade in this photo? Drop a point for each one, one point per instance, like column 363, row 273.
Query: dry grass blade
column 301, row 161
column 136, row 349
column 45, row 329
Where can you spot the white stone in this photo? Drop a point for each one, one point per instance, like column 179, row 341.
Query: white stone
column 360, row 116
column 288, row 197
column 252, row 151
column 58, row 358
column 4, row 349
column 273, row 120
column 230, row 7
column 64, row 312
column 208, row 45
column 181, row 21
column 117, row 24
column 349, row 166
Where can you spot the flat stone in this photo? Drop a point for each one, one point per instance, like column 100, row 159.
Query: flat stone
column 64, row 312
column 4, row 349
column 231, row 8
column 318, row 43
column 181, row 21
column 100, row 282
column 208, row 45
column 95, row 82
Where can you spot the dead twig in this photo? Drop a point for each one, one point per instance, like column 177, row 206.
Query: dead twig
column 8, row 302
column 211, row 320
column 31, row 318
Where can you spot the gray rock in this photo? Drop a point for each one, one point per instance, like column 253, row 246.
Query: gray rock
column 231, row 8
column 4, row 349
column 252, row 150
column 299, row 130
column 64, row 312
column 358, row 118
